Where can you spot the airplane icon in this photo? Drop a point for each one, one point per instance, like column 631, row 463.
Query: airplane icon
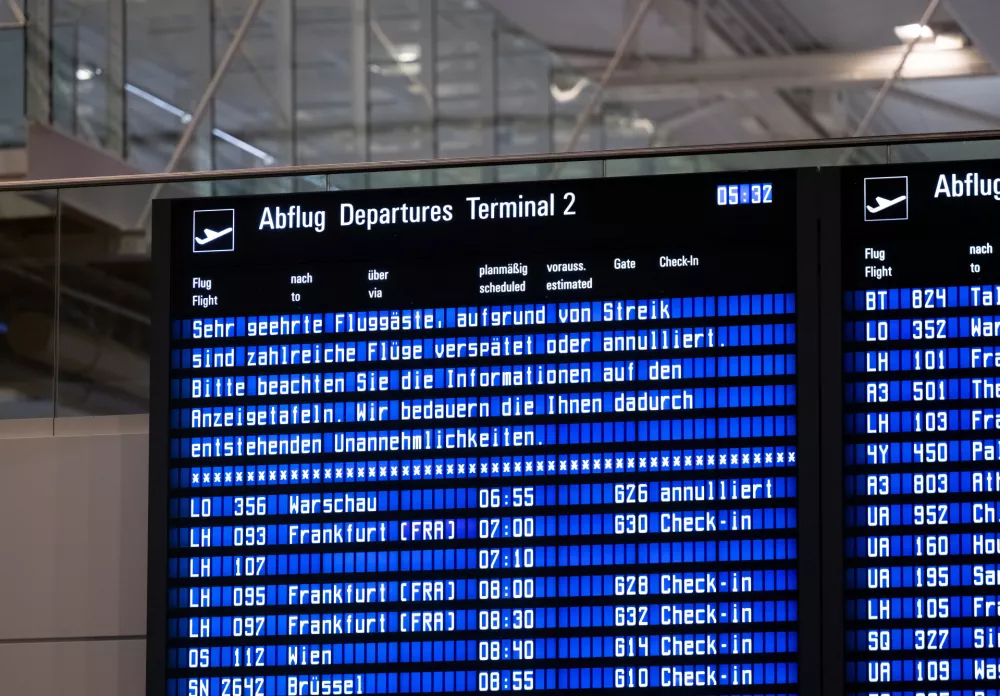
column 213, row 230
column 212, row 235
column 883, row 203
column 891, row 198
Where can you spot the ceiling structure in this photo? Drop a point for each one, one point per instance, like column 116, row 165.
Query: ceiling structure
column 781, row 69
column 332, row 81
column 456, row 78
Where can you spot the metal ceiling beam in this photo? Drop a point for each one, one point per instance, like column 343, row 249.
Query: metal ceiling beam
column 747, row 77
column 979, row 20
column 891, row 80
column 782, row 119
column 204, row 103
column 946, row 107
column 595, row 98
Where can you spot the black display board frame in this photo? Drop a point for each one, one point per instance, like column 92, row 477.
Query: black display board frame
column 816, row 592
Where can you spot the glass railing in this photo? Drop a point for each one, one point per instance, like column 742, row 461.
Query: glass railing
column 75, row 260
column 12, row 130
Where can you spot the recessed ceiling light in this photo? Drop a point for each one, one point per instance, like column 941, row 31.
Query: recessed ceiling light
column 84, row 74
column 567, row 95
column 408, row 53
column 949, row 42
column 909, row 32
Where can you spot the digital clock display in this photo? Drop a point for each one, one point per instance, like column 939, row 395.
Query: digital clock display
column 744, row 194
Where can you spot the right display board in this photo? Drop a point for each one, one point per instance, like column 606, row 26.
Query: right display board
column 921, row 414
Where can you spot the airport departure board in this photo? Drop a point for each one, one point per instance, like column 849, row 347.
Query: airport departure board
column 921, row 332
column 515, row 437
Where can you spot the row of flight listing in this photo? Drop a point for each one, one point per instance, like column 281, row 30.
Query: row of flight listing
column 921, row 490
column 752, row 359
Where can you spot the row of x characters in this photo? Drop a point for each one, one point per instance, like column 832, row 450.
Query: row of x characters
column 488, row 316
column 573, row 463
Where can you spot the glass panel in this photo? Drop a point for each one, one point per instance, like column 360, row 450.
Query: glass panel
column 524, row 172
column 624, row 129
column 80, row 52
column 105, row 279
column 27, row 303
column 742, row 161
column 355, row 181
column 945, row 152
column 104, row 311
column 329, row 86
column 524, row 94
column 12, row 87
column 269, row 184
column 466, row 96
column 401, row 178
column 254, row 103
column 64, row 84
column 472, row 174
column 104, row 320
column 164, row 84
column 401, row 83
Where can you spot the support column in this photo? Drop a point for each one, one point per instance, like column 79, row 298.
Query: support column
column 114, row 78
column 38, row 63
column 284, row 125
column 359, row 78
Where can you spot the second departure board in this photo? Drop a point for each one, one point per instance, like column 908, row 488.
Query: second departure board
column 523, row 437
column 922, row 382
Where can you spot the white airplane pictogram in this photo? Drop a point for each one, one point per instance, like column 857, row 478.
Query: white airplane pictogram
column 212, row 235
column 883, row 203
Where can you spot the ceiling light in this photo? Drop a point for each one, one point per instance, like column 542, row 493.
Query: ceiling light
column 84, row 74
column 567, row 95
column 185, row 118
column 949, row 42
column 643, row 125
column 911, row 32
column 408, row 53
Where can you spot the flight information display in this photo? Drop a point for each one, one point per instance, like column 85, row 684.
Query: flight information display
column 516, row 437
column 921, row 379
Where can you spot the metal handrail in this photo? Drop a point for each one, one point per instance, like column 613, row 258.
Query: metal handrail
column 495, row 160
